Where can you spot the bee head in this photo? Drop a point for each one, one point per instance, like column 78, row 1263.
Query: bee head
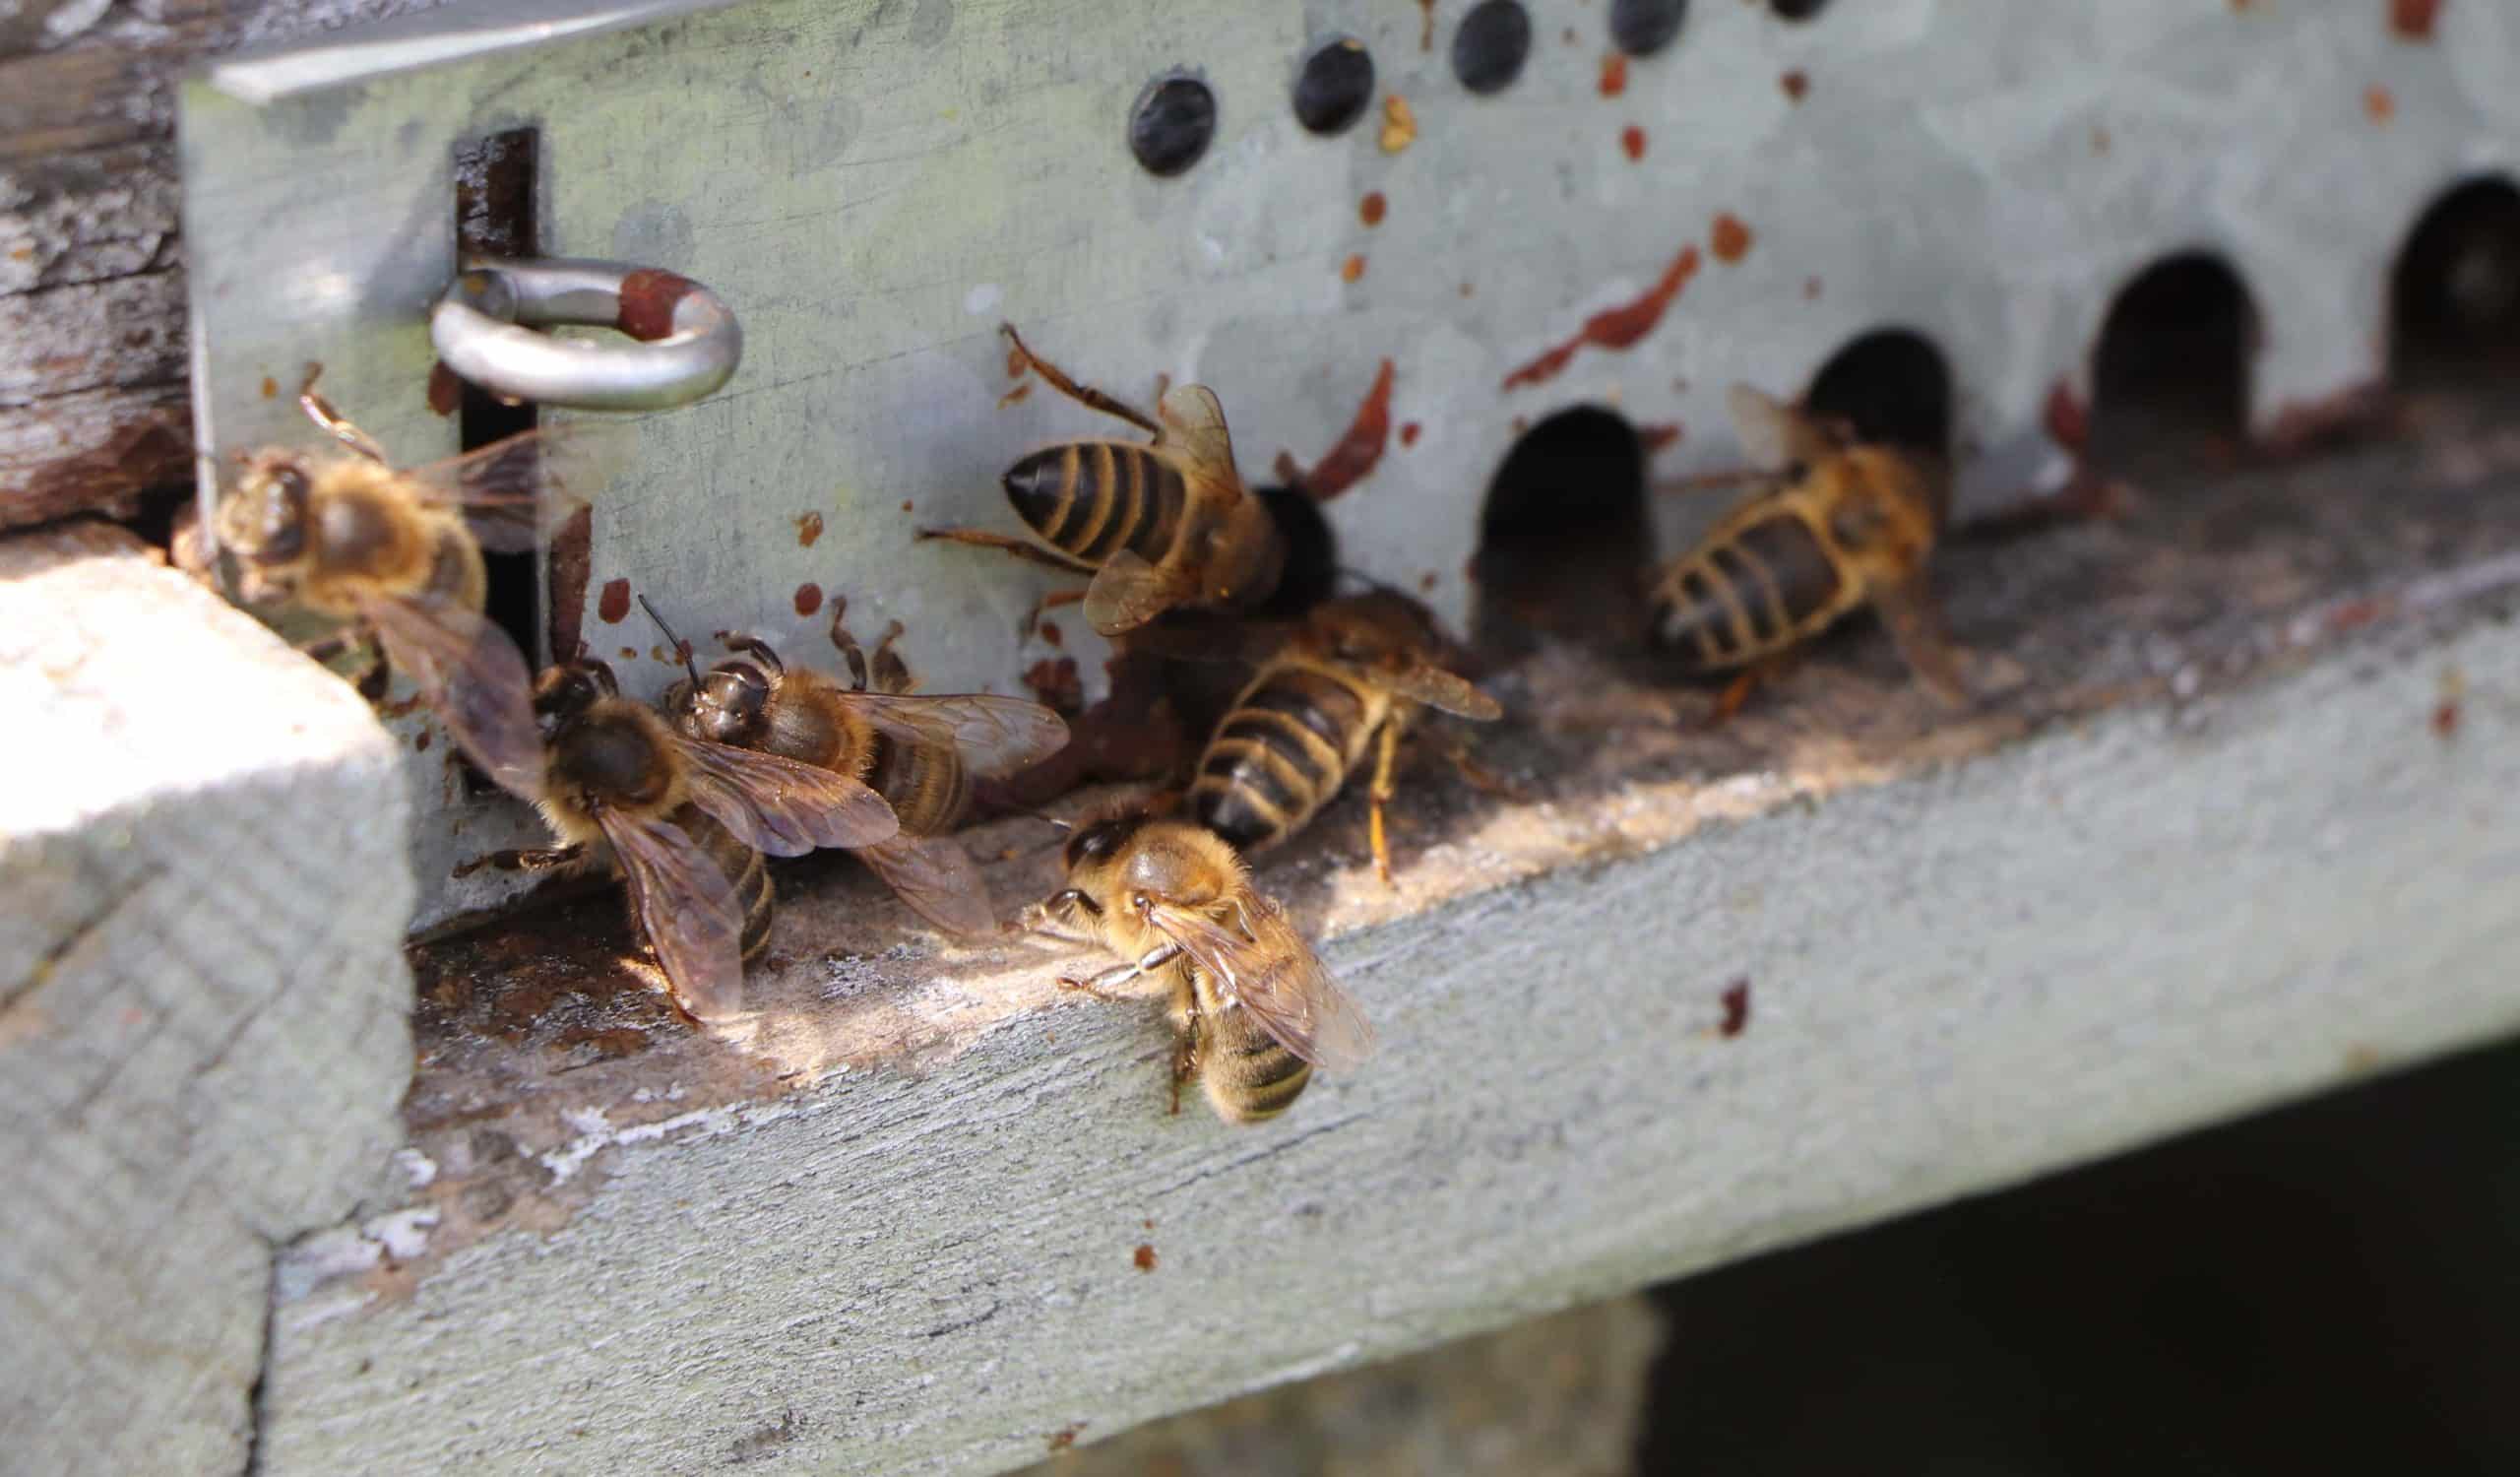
column 566, row 690
column 730, row 705
column 264, row 519
column 1102, row 841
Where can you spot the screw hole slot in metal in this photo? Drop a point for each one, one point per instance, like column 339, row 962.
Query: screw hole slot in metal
column 687, row 341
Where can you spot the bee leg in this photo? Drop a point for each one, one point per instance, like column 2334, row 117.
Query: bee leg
column 1386, row 758
column 1084, row 395
column 541, row 859
column 849, row 651
column 335, row 423
column 1915, row 620
column 1020, row 547
column 1047, row 603
column 1477, row 775
column 1102, row 985
column 892, row 673
column 753, row 647
column 1186, row 1065
column 1737, row 693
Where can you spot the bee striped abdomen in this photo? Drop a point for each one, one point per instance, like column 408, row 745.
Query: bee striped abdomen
column 1248, row 1076
column 925, row 784
column 1279, row 756
column 744, row 868
column 1747, row 593
column 1094, row 498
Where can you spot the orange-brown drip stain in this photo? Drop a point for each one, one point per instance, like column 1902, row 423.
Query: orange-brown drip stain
column 2066, row 419
column 1426, row 582
column 420, row 740
column 2445, row 721
column 1370, row 208
column 629, row 654
column 1351, row 269
column 2412, row 20
column 1353, row 457
column 2100, row 141
column 905, row 504
column 1614, row 74
column 1731, row 240
column 1049, row 630
column 809, row 527
column 570, row 565
column 1015, row 363
column 1631, row 142
column 1657, row 436
column 648, row 300
column 2379, row 103
column 1399, row 124
column 809, row 598
column 1053, row 681
column 1144, row 1257
column 1810, row 290
column 446, row 391
column 270, row 387
column 1796, row 84
column 1614, row 327
column 1737, row 1009
column 1015, row 395
column 1065, row 1437
column 615, row 603
column 1409, row 433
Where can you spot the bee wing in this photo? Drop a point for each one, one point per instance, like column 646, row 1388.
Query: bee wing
column 779, row 807
column 996, row 736
column 1438, row 688
column 687, row 909
column 516, row 491
column 1194, row 425
column 472, row 675
column 1128, row 592
column 936, row 878
column 1268, row 969
column 1774, row 435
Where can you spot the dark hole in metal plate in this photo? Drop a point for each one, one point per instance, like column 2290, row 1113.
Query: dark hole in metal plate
column 1641, row 28
column 1335, row 84
column 1892, row 386
column 2455, row 299
column 1491, row 45
column 1312, row 553
column 1797, row 10
column 2174, row 351
column 1171, row 124
column 1563, row 538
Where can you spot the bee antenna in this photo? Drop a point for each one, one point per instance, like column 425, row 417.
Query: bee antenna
column 1049, row 820
column 681, row 648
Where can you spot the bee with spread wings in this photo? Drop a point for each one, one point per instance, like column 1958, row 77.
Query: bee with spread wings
column 395, row 555
column 1254, row 1010
column 688, row 823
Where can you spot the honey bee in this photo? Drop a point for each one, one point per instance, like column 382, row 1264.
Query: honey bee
column 1253, row 1007
column 687, row 821
column 1157, row 525
column 1843, row 524
column 1353, row 677
column 396, row 555
column 920, row 753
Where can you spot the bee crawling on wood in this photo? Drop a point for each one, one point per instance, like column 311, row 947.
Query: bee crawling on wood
column 687, row 821
column 1254, row 1010
column 395, row 555
column 1352, row 677
column 1157, row 525
column 1843, row 524
column 920, row 753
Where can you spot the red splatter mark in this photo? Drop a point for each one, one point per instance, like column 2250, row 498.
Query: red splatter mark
column 1655, row 437
column 1810, row 290
column 1370, row 208
column 1015, row 395
column 1737, row 1009
column 615, row 603
column 1144, row 1257
column 1065, row 1437
column 2067, row 418
column 1631, row 142
column 1015, row 363
column 1425, row 24
column 648, row 300
column 270, row 387
column 1409, row 433
column 1353, row 459
column 1796, row 84
column 2413, row 19
column 2100, row 141
column 1731, row 240
column 2355, row 614
column 2445, row 720
column 809, row 527
column 2379, row 103
column 905, row 504
column 1614, row 74
column 629, row 654
column 1614, row 327
column 571, row 566
column 1351, row 269
column 1049, row 630
column 420, row 739
column 809, row 598
column 445, row 393
column 1054, row 682
column 1426, row 583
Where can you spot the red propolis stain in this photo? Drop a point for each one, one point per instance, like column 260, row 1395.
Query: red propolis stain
column 1409, row 433
column 446, row 391
column 1426, row 582
column 629, row 654
column 1049, row 630
column 809, row 598
column 2067, row 418
column 569, row 566
column 2380, row 103
column 1730, row 239
column 1795, row 83
column 905, row 504
column 1065, row 1437
column 420, row 739
column 271, row 388
column 1631, row 142
column 1614, row 74
column 615, row 603
column 1351, row 269
column 1655, row 437
column 809, row 527
column 1144, row 1257
column 2445, row 720
column 1054, row 682
column 1353, row 459
column 1810, row 290
column 648, row 300
column 1015, row 395
column 1370, row 208
column 2355, row 614
column 1614, row 327
column 1425, row 24
column 1736, row 1008
column 2413, row 19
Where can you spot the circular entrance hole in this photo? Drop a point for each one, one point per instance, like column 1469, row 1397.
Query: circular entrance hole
column 2454, row 309
column 2171, row 371
column 1563, row 538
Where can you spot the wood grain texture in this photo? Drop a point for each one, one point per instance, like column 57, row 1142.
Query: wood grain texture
column 204, row 1010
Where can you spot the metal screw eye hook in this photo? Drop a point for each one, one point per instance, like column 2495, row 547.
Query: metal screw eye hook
column 688, row 341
